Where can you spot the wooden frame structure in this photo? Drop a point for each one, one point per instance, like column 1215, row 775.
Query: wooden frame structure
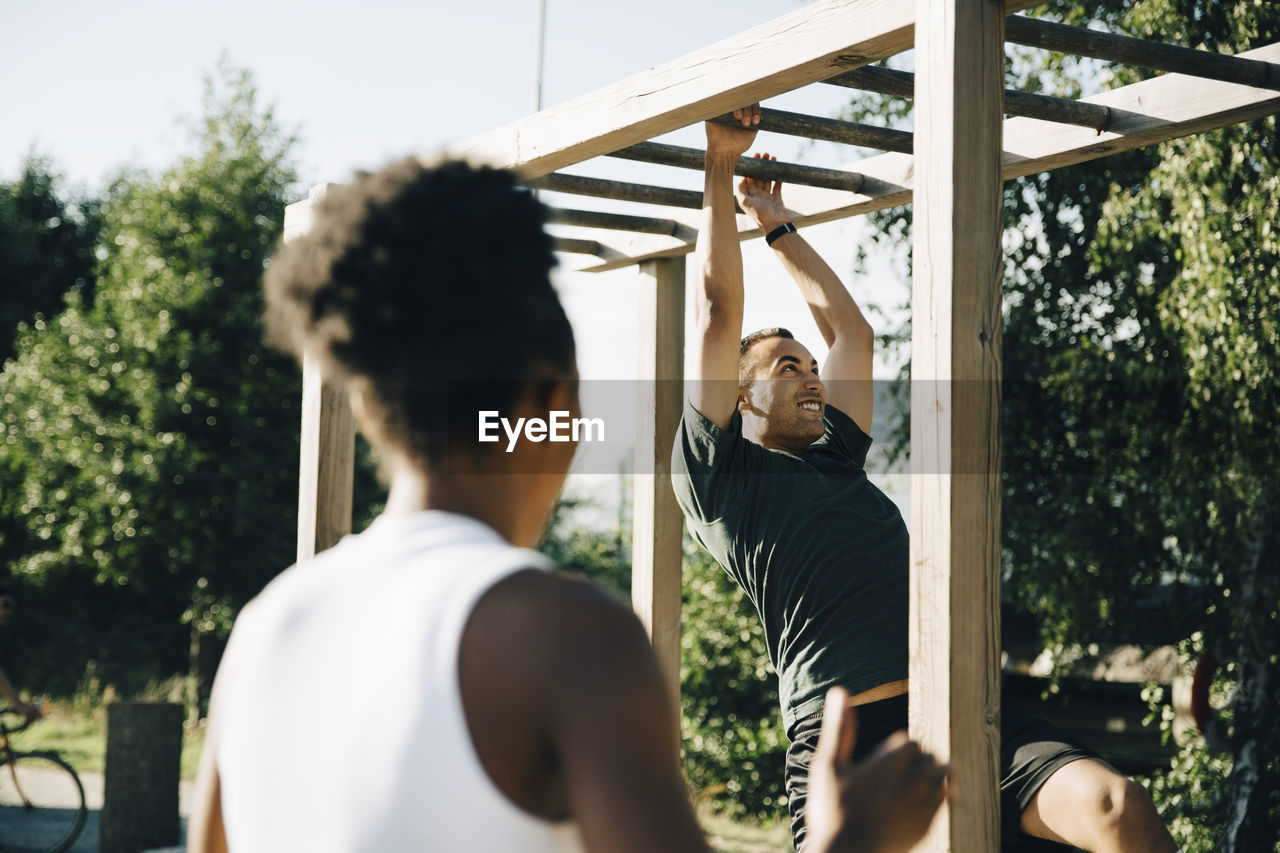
column 960, row 152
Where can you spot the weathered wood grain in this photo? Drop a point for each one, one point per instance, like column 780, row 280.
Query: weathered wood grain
column 658, row 523
column 954, row 624
column 799, row 48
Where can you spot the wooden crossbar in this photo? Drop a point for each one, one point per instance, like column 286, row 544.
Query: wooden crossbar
column 802, row 47
column 902, row 84
column 876, row 78
column 576, row 246
column 1126, row 50
column 1144, row 113
column 747, row 167
column 1048, row 108
column 829, row 130
column 615, row 221
column 617, row 190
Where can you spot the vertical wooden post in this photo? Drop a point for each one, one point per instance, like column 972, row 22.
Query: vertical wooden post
column 955, row 408
column 327, row 473
column 658, row 526
column 327, row 468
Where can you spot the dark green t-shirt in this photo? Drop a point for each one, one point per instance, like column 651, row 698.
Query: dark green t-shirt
column 818, row 548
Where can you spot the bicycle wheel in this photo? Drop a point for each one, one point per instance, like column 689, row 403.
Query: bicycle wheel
column 41, row 804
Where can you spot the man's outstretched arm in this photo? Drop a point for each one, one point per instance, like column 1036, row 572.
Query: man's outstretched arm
column 717, row 299
column 850, row 338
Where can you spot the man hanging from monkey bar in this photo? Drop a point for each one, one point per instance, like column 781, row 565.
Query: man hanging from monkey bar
column 772, row 453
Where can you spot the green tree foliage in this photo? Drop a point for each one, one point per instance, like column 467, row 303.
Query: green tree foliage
column 156, row 435
column 1221, row 496
column 578, row 549
column 47, row 245
column 1141, row 346
column 734, row 744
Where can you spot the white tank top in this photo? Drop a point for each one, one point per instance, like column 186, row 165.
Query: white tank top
column 340, row 716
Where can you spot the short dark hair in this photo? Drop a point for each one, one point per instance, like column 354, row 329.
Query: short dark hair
column 744, row 346
column 429, row 287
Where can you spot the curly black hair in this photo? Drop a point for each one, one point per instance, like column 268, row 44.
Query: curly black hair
column 428, row 288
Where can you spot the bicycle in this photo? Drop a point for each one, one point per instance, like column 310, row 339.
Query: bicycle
column 42, row 808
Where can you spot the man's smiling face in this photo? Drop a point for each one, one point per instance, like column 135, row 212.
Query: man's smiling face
column 783, row 402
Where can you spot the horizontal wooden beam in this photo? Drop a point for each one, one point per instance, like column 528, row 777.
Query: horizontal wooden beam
column 618, row 222
column 802, row 47
column 617, row 190
column 876, row 78
column 747, row 167
column 1125, row 50
column 902, row 84
column 1048, row 108
column 576, row 246
column 1145, row 113
column 829, row 130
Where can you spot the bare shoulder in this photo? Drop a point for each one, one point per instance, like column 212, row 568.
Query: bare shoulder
column 564, row 645
column 558, row 615
column 598, row 740
column 550, row 667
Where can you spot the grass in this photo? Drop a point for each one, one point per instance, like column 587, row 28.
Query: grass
column 80, row 737
column 727, row 835
column 79, row 733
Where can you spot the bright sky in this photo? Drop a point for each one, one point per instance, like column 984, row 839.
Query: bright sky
column 95, row 86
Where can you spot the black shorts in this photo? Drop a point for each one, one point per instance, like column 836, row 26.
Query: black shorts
column 1031, row 750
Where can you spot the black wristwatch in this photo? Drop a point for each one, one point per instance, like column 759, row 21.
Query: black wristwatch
column 784, row 228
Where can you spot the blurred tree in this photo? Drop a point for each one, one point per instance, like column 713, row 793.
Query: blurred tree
column 46, row 248
column 734, row 743
column 578, row 549
column 46, row 251
column 156, row 434
column 1141, row 348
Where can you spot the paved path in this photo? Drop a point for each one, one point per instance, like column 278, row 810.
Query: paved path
column 87, row 842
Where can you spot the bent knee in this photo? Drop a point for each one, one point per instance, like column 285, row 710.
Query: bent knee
column 1120, row 799
column 1083, row 801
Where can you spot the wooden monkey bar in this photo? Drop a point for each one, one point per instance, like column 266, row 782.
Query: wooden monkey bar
column 1181, row 102
column 1125, row 50
column 829, row 130
column 747, row 167
column 1042, row 132
column 962, row 149
column 614, row 221
column 618, row 190
column 902, row 84
column 1145, row 113
column 576, row 246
